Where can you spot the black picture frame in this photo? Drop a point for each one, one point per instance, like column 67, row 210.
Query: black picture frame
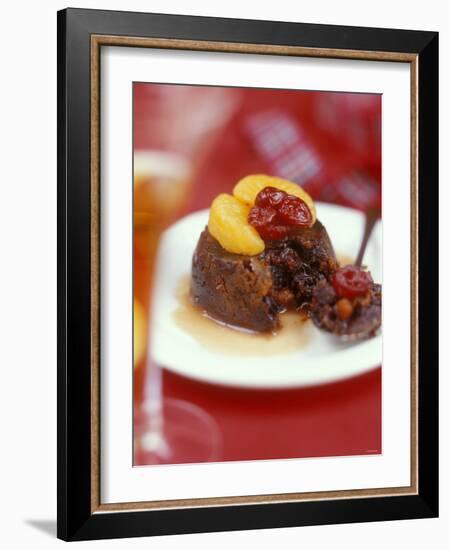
column 76, row 519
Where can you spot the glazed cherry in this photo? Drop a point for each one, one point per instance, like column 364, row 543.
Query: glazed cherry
column 275, row 212
column 293, row 211
column 351, row 281
column 261, row 216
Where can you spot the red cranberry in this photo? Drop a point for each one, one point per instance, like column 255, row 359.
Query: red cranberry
column 272, row 232
column 275, row 212
column 293, row 211
column 260, row 216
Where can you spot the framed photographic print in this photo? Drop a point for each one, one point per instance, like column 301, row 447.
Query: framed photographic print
column 247, row 274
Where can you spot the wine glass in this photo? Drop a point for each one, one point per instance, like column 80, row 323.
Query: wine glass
column 178, row 126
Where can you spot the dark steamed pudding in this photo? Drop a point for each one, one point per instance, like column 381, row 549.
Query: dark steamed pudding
column 251, row 291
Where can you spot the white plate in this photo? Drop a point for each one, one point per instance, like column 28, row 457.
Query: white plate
column 321, row 360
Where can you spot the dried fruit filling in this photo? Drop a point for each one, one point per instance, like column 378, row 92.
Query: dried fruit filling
column 351, row 281
column 275, row 212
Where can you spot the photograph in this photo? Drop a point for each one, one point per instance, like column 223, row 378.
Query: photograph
column 257, row 273
column 247, row 266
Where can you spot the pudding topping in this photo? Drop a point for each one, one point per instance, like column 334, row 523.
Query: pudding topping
column 351, row 281
column 264, row 252
column 260, row 208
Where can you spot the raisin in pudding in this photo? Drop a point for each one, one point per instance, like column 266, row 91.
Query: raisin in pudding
column 262, row 253
column 349, row 305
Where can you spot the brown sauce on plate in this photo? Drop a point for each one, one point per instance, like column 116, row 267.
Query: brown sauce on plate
column 294, row 333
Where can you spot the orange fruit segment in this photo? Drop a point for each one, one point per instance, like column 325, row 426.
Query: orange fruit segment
column 247, row 188
column 228, row 224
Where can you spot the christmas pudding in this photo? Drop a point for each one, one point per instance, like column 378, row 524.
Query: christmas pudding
column 262, row 253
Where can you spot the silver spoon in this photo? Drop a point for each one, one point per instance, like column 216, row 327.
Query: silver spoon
column 371, row 217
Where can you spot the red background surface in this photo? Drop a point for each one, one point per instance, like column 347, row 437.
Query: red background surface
column 341, row 134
